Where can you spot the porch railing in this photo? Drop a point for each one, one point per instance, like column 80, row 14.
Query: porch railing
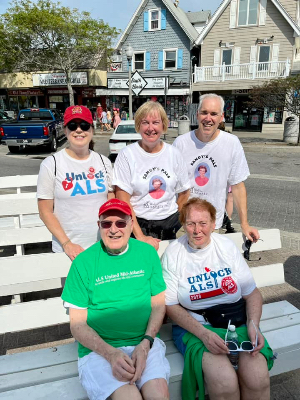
column 232, row 72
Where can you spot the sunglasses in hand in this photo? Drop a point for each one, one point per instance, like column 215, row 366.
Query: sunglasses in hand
column 244, row 346
column 248, row 245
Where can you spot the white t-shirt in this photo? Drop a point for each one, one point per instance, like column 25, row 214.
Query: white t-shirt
column 79, row 188
column 198, row 279
column 225, row 163
column 152, row 179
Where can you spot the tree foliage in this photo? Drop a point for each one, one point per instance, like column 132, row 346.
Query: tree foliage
column 47, row 36
column 282, row 92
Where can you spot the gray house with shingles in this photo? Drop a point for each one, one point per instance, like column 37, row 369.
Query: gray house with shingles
column 245, row 43
column 162, row 37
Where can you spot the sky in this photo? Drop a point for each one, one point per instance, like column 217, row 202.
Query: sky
column 118, row 13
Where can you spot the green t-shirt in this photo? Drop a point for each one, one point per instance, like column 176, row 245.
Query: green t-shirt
column 116, row 290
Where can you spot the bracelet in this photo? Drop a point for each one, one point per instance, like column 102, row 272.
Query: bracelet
column 150, row 338
column 63, row 245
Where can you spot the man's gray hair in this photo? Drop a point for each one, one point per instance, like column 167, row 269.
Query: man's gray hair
column 211, row 96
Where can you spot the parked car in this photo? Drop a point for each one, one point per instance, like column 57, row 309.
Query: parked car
column 33, row 127
column 4, row 117
column 123, row 135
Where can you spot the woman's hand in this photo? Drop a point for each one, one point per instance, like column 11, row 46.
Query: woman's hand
column 252, row 337
column 72, row 250
column 150, row 240
column 122, row 365
column 213, row 342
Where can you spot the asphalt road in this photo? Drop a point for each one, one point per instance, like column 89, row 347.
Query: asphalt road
column 273, row 187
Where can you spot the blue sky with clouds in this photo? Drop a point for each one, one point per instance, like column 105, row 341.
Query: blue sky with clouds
column 119, row 12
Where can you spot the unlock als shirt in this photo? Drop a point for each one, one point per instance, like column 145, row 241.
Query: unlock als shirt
column 201, row 278
column 78, row 189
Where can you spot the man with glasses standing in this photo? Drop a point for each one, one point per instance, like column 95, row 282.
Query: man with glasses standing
column 223, row 157
column 115, row 294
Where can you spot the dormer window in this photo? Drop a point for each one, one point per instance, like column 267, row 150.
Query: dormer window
column 154, row 20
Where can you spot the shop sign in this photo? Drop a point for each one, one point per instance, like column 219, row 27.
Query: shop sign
column 59, row 91
column 88, row 93
column 59, row 78
column 26, row 92
column 137, row 83
column 117, row 83
column 116, row 67
column 156, row 83
column 240, row 91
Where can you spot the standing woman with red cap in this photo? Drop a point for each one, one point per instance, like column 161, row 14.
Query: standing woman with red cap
column 72, row 185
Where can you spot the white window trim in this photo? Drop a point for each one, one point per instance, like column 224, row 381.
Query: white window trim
column 159, row 19
column 238, row 14
column 231, row 62
column 270, row 52
column 164, row 59
column 133, row 60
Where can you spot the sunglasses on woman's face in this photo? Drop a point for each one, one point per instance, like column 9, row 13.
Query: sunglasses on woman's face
column 244, row 346
column 119, row 224
column 83, row 125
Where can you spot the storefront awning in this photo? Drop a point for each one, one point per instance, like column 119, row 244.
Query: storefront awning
column 145, row 92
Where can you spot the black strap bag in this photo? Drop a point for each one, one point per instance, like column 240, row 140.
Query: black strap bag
column 218, row 316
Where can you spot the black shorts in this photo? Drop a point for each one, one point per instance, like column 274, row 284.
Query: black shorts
column 163, row 229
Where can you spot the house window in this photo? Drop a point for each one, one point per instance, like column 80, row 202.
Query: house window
column 170, row 57
column 263, row 57
column 139, row 61
column 248, row 10
column 154, row 20
column 226, row 58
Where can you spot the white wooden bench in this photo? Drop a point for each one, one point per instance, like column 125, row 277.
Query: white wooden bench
column 52, row 373
column 14, row 189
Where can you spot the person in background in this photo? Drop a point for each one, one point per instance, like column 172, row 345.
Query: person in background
column 99, row 115
column 72, row 184
column 116, row 119
column 209, row 283
column 225, row 158
column 109, row 117
column 115, row 293
column 141, row 164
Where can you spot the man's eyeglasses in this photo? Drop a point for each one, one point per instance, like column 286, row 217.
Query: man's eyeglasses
column 244, row 346
column 84, row 126
column 121, row 223
column 248, row 245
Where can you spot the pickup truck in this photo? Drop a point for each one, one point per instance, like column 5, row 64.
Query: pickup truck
column 33, row 127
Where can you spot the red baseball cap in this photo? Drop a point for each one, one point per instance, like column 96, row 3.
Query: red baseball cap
column 80, row 112
column 115, row 204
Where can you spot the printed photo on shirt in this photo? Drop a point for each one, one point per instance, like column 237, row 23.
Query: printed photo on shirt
column 157, row 187
column 202, row 174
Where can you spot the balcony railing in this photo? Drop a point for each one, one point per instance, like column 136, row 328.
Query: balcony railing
column 255, row 70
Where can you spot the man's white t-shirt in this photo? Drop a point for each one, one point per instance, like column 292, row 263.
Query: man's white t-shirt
column 79, row 188
column 137, row 173
column 198, row 279
column 225, row 163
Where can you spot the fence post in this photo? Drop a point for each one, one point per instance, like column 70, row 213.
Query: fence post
column 287, row 68
column 223, row 72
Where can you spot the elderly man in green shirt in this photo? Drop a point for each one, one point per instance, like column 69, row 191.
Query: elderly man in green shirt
column 115, row 293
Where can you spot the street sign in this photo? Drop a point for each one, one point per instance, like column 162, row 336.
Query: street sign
column 138, row 83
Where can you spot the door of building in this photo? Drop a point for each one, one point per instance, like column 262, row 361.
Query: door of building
column 246, row 118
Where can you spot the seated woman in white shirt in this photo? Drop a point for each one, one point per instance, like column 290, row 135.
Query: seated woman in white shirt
column 142, row 165
column 208, row 284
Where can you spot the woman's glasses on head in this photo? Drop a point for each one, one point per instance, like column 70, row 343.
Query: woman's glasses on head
column 119, row 224
column 83, row 125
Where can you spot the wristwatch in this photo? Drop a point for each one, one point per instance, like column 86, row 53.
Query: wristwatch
column 150, row 338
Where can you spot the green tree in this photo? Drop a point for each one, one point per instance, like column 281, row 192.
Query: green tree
column 47, row 36
column 282, row 92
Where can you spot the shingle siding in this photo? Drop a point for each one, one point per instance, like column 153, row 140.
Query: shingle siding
column 155, row 41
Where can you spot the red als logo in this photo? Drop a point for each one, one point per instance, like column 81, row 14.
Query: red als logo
column 228, row 285
column 91, row 173
column 67, row 184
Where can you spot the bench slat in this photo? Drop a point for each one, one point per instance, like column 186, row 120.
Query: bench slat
column 18, row 206
column 268, row 275
column 18, row 181
column 39, row 234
